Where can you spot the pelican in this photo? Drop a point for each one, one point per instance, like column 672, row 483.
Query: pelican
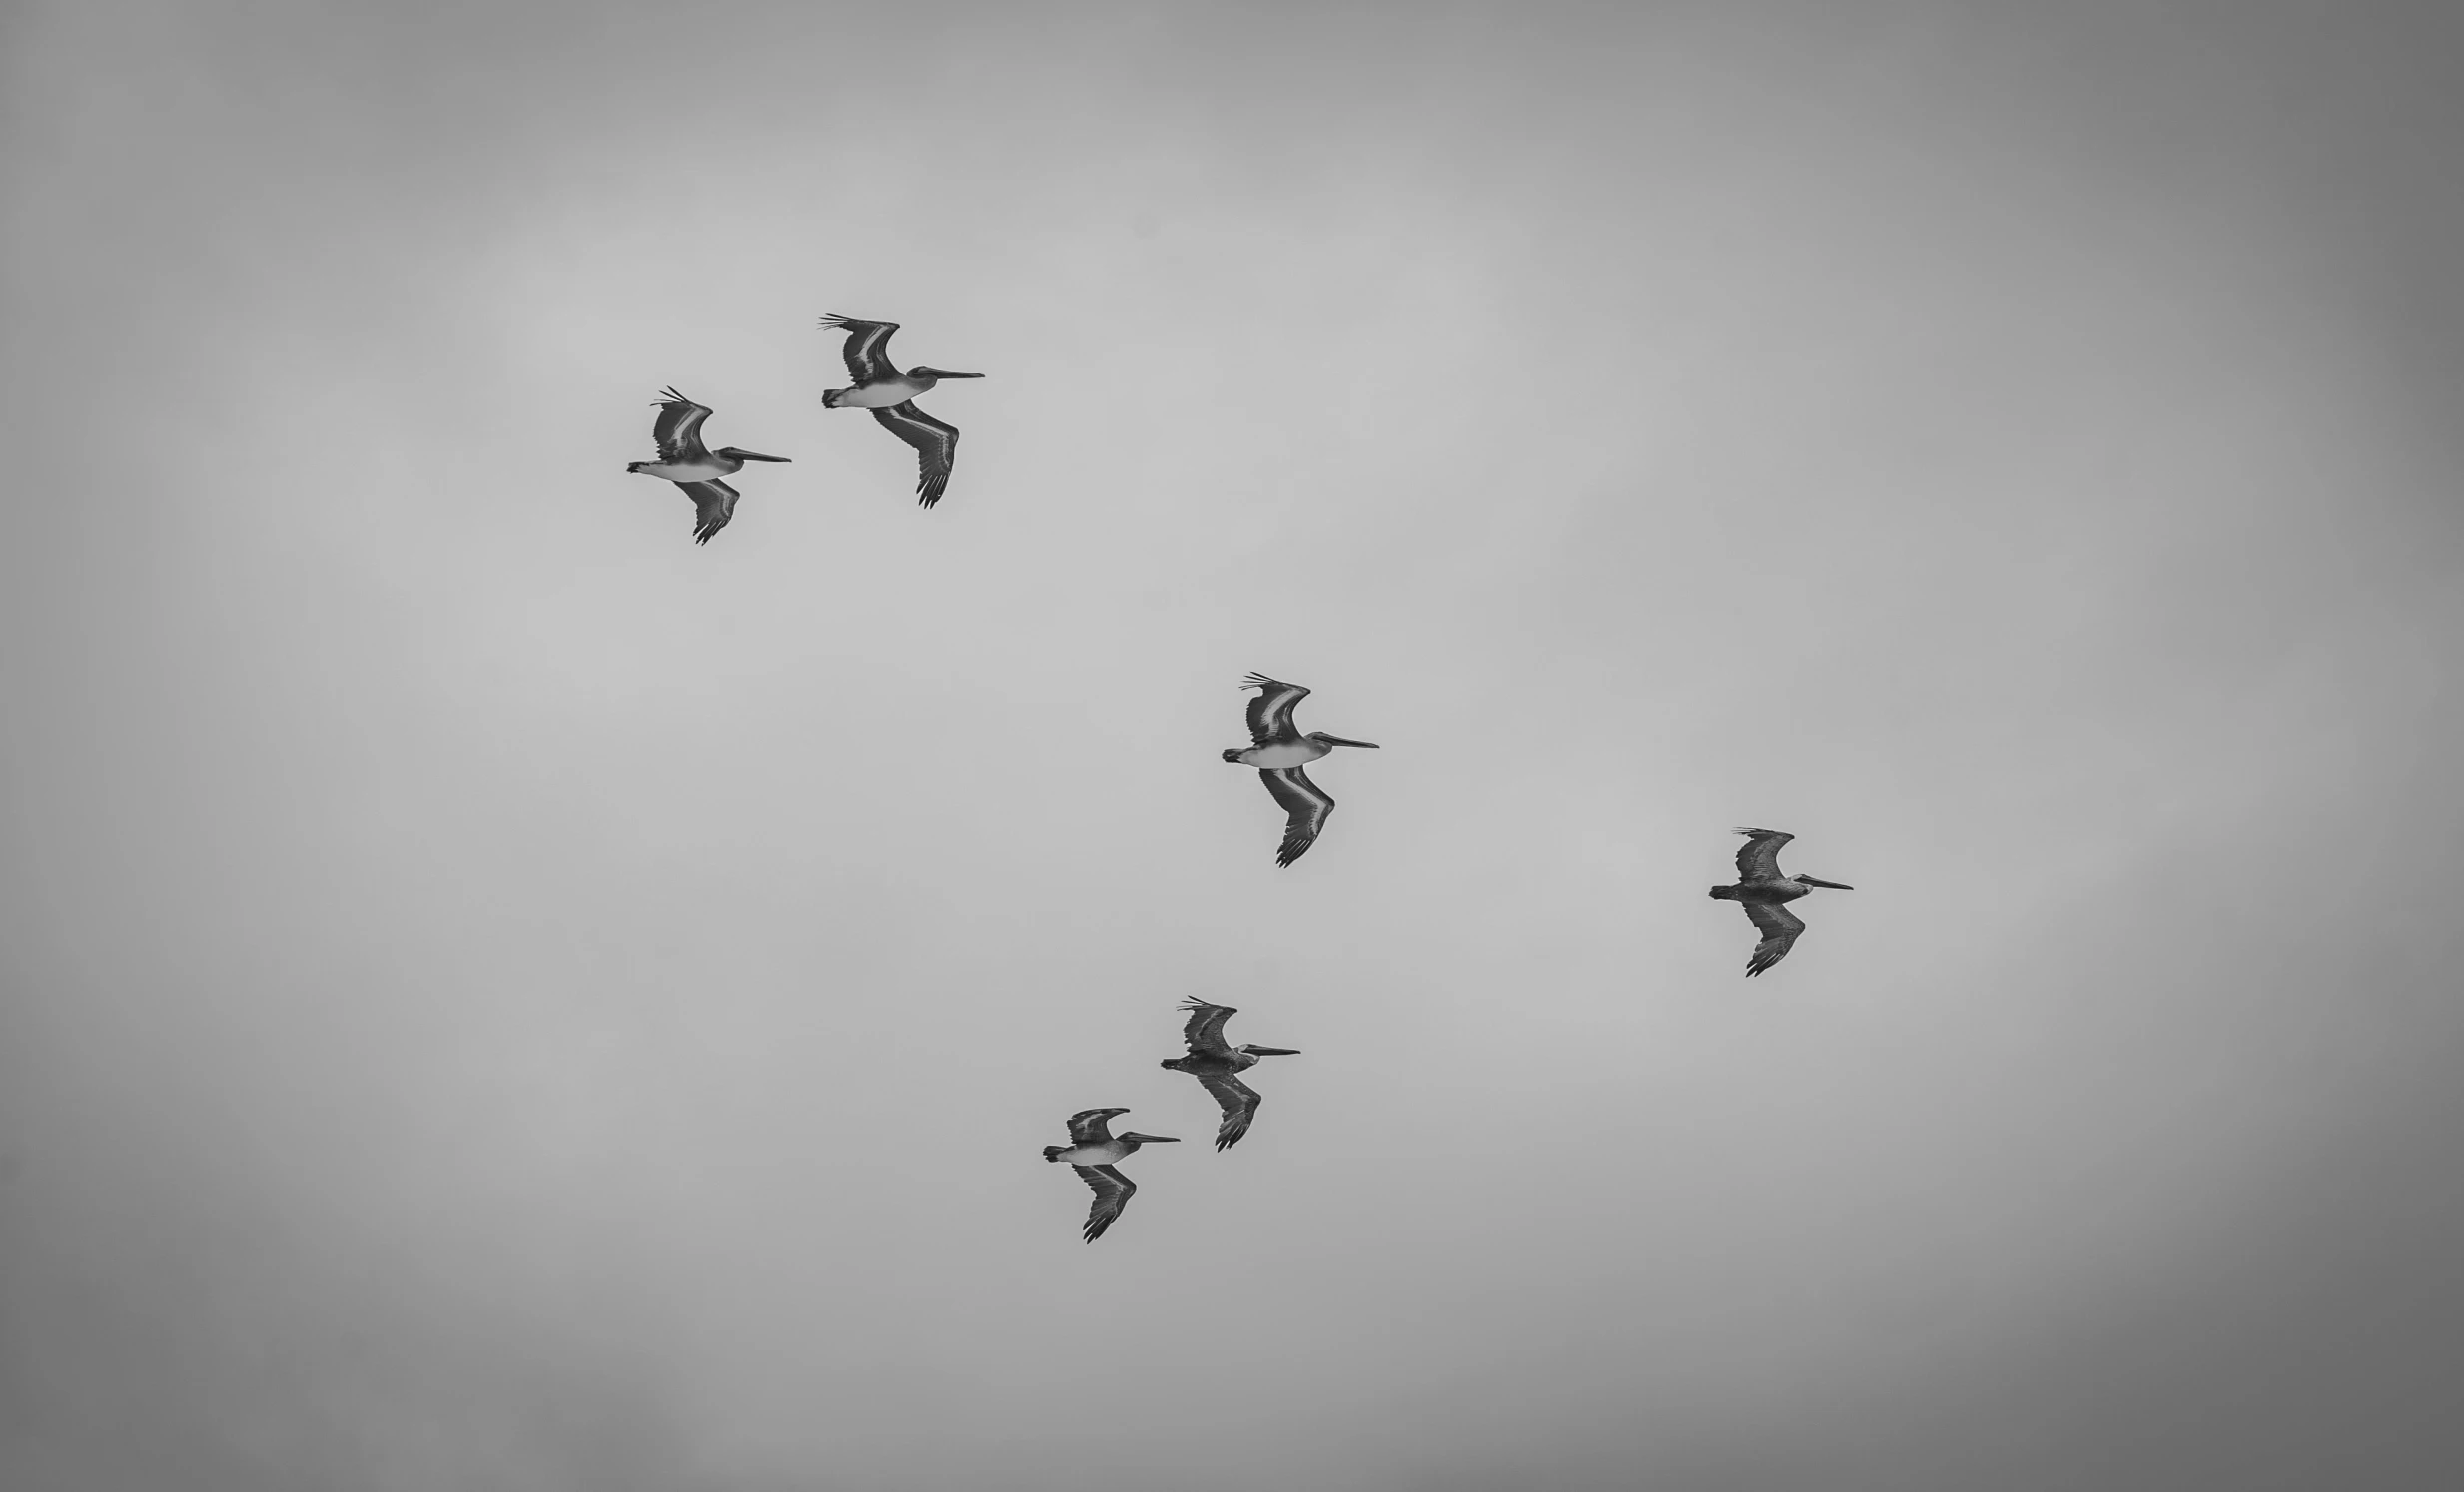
column 1277, row 753
column 1215, row 1064
column 1762, row 888
column 890, row 394
column 686, row 462
column 1092, row 1152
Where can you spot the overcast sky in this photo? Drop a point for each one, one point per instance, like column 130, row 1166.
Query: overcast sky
column 502, row 999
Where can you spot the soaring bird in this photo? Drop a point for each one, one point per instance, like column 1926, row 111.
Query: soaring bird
column 685, row 461
column 1277, row 753
column 1093, row 1151
column 1215, row 1063
column 1762, row 889
column 890, row 394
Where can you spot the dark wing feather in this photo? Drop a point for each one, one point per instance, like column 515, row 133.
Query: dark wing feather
column 1204, row 1030
column 1112, row 1191
column 1307, row 805
column 1780, row 929
column 1086, row 1125
column 1271, row 711
column 936, row 447
column 867, row 349
column 678, row 430
column 1239, row 1102
column 714, row 503
column 1758, row 859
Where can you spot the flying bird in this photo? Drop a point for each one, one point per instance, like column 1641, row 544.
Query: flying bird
column 1762, row 889
column 1217, row 1064
column 684, row 461
column 1093, row 1151
column 1278, row 750
column 890, row 394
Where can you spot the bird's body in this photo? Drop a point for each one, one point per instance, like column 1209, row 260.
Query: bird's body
column 694, row 467
column 708, row 468
column 1278, row 749
column 1282, row 754
column 1763, row 891
column 1216, row 1064
column 892, row 390
column 1766, row 892
column 1093, row 1151
column 880, row 387
column 1105, row 1153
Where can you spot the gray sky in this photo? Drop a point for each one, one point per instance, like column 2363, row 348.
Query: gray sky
column 500, row 999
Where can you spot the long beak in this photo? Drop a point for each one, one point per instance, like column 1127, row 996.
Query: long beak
column 1273, row 1050
column 1340, row 741
column 943, row 372
column 755, row 455
column 1152, row 1139
column 1834, row 885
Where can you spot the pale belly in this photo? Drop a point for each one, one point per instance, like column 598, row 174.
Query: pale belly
column 685, row 470
column 1088, row 1155
column 1284, row 754
column 877, row 395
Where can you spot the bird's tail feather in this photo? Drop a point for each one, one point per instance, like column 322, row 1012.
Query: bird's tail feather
column 1723, row 893
column 1053, row 1152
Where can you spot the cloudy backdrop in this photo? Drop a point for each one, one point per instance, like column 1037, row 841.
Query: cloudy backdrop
column 500, row 999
